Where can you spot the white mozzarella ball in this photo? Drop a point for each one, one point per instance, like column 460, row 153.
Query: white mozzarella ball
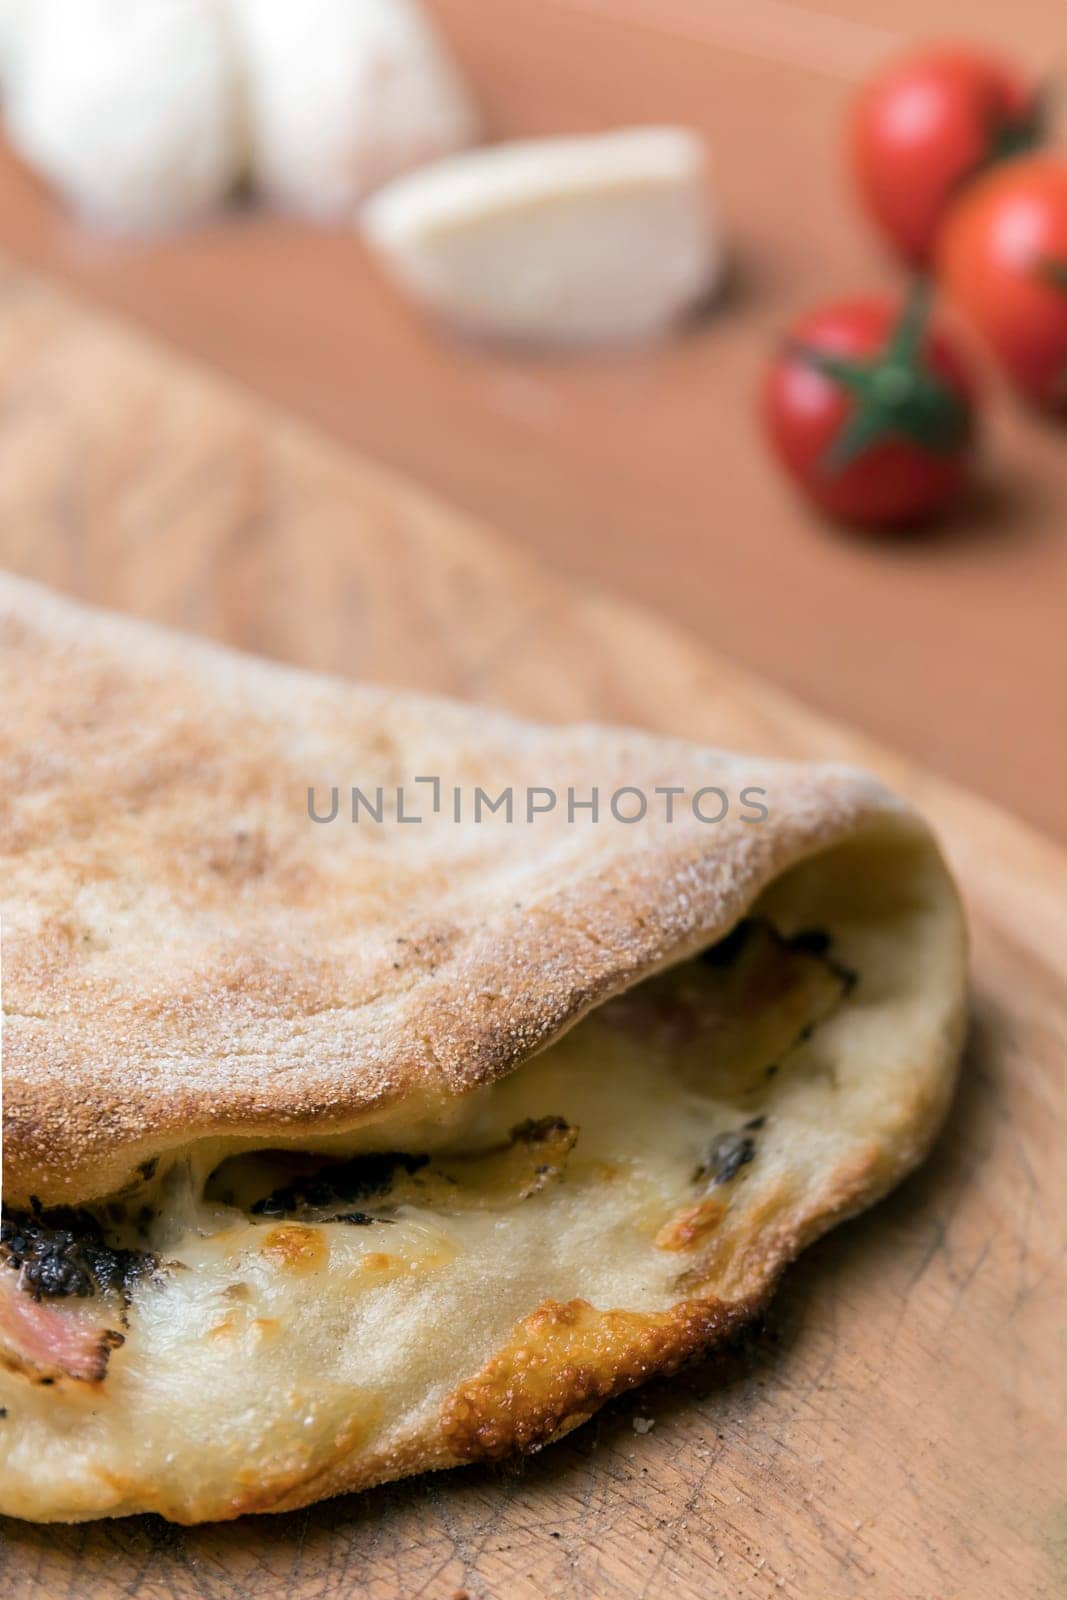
column 9, row 31
column 342, row 95
column 129, row 107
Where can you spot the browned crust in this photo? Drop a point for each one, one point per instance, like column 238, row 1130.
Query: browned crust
column 187, row 956
column 564, row 1361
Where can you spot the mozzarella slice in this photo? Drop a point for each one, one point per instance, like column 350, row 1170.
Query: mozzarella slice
column 578, row 240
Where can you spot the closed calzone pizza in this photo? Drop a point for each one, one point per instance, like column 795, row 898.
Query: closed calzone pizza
column 389, row 1082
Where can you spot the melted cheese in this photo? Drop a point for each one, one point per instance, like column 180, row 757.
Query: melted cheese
column 271, row 1347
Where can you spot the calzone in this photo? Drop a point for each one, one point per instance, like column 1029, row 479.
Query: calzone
column 359, row 1122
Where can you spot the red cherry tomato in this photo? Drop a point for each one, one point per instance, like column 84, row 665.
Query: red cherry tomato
column 871, row 411
column 925, row 126
column 1003, row 259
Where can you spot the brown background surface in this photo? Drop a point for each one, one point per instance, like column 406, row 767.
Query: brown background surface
column 644, row 469
column 897, row 1433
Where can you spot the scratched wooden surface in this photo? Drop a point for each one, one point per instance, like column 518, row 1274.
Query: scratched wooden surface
column 896, row 1432
column 646, row 468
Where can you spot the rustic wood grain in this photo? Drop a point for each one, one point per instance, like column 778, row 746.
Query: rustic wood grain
column 646, row 468
column 896, row 1432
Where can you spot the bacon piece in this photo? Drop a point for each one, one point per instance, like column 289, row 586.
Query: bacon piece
column 729, row 1017
column 51, row 1341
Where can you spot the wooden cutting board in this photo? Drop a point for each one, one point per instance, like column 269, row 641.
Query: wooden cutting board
column 896, row 1431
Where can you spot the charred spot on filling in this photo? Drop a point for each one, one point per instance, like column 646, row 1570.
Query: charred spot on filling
column 62, row 1254
column 819, row 942
column 728, row 1153
column 340, row 1183
column 361, row 1189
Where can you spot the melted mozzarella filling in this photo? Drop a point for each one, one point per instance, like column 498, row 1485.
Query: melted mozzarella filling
column 270, row 1347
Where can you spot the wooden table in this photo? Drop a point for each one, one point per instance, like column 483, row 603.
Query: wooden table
column 644, row 470
column 897, row 1433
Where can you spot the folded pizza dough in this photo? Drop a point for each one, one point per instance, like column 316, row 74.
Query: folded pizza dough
column 336, row 1151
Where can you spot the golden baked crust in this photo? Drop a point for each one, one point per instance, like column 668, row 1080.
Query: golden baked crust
column 187, row 954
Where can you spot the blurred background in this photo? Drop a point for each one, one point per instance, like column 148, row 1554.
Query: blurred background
column 644, row 468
